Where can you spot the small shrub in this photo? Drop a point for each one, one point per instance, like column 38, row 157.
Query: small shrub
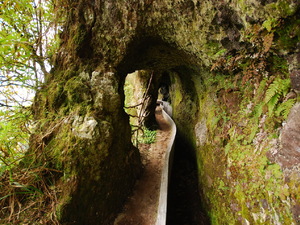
column 148, row 137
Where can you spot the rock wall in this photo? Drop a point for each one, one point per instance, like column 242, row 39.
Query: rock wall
column 229, row 63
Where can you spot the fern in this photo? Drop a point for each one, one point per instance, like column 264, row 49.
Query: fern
column 276, row 90
column 272, row 103
column 286, row 85
column 284, row 108
column 261, row 90
column 279, row 86
column 258, row 110
column 272, row 90
column 254, row 130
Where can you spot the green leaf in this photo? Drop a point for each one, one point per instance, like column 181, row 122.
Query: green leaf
column 272, row 103
column 278, row 89
column 258, row 109
column 284, row 108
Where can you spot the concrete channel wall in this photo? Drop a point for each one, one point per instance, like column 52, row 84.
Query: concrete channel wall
column 166, row 172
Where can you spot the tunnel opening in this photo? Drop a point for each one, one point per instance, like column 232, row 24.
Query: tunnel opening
column 170, row 69
column 137, row 98
column 141, row 89
column 185, row 205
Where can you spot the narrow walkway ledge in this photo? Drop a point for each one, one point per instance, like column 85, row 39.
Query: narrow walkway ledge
column 148, row 203
column 166, row 171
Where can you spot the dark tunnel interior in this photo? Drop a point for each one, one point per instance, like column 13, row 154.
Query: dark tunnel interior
column 184, row 201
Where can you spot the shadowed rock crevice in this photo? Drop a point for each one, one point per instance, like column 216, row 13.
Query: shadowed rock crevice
column 152, row 53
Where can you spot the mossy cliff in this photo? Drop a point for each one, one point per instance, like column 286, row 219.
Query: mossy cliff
column 231, row 66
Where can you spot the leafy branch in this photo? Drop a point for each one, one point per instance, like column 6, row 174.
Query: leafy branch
column 28, row 40
column 28, row 28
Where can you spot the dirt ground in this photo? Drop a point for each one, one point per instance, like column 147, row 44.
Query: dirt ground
column 141, row 207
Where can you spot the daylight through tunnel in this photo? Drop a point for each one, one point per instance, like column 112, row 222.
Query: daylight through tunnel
column 155, row 71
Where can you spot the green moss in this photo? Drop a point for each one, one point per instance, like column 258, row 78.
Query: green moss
column 79, row 37
column 59, row 209
column 234, row 172
column 214, row 49
column 289, row 33
column 77, row 91
column 56, row 97
column 270, row 24
column 185, row 103
column 284, row 7
column 68, row 74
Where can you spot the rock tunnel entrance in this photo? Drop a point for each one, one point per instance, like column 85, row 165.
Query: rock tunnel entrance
column 83, row 93
column 170, row 73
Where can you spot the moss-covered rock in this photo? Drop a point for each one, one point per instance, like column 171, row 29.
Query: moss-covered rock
column 229, row 64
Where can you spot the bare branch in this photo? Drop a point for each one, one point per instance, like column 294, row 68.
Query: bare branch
column 133, row 106
column 5, row 105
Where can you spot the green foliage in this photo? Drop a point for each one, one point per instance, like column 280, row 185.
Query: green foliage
column 276, row 91
column 270, row 23
column 27, row 29
column 278, row 87
column 136, row 101
column 148, row 137
column 284, row 7
column 221, row 52
column 28, row 41
column 235, row 153
column 143, row 135
column 14, row 134
column 284, row 108
column 241, row 176
column 28, row 38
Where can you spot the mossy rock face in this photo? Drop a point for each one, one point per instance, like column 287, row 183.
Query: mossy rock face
column 229, row 65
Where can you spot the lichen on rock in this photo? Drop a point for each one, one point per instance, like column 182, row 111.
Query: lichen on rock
column 84, row 127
